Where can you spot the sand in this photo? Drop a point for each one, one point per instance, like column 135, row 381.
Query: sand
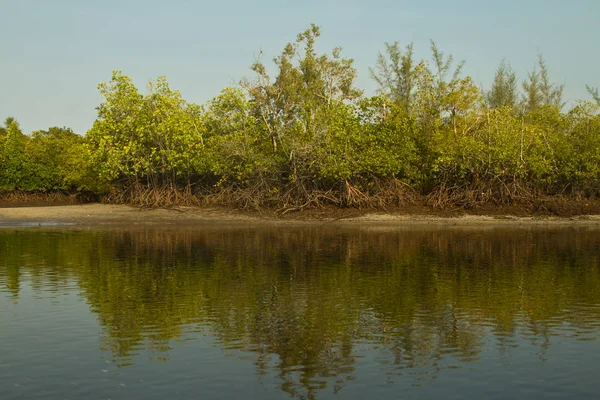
column 122, row 215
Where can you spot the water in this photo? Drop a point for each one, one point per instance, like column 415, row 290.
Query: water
column 270, row 313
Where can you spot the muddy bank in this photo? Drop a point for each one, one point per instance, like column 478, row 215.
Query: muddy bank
column 123, row 215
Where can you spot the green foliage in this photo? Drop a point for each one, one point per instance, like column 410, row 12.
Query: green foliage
column 532, row 97
column 288, row 105
column 385, row 144
column 152, row 139
column 51, row 160
column 594, row 93
column 504, row 92
column 236, row 147
column 13, row 174
column 305, row 135
column 539, row 90
column 551, row 93
column 57, row 156
column 443, row 96
column 579, row 152
column 395, row 74
column 7, row 123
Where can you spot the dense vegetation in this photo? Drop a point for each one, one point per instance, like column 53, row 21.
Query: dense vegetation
column 306, row 136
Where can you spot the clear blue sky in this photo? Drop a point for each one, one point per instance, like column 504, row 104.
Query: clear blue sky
column 54, row 53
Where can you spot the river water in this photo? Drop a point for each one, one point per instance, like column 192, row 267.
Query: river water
column 273, row 313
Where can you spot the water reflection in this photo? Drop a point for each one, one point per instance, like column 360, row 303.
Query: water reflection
column 307, row 305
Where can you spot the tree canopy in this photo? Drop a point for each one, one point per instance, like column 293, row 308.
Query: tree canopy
column 304, row 135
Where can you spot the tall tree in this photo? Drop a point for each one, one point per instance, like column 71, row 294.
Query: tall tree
column 12, row 158
column 288, row 105
column 57, row 159
column 539, row 90
column 395, row 74
column 144, row 139
column 551, row 93
column 594, row 93
column 504, row 91
column 7, row 123
column 442, row 95
column 532, row 97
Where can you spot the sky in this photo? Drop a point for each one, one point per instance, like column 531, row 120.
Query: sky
column 54, row 53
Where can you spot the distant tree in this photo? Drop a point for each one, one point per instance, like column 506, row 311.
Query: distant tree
column 532, row 96
column 307, row 85
column 7, row 123
column 12, row 157
column 56, row 157
column 395, row 74
column 539, row 90
column 9, row 120
column 504, row 91
column 147, row 139
column 551, row 93
column 594, row 93
column 442, row 94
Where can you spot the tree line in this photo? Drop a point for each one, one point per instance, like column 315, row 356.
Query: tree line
column 304, row 135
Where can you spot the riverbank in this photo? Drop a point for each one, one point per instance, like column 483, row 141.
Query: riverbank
column 123, row 215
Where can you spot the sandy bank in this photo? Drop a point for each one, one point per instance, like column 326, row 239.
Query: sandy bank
column 122, row 215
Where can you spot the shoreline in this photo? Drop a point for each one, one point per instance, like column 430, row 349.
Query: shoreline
column 106, row 215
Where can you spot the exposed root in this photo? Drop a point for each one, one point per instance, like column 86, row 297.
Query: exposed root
column 150, row 196
column 470, row 196
column 293, row 196
column 19, row 196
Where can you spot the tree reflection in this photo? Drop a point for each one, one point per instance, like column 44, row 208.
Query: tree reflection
column 308, row 303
